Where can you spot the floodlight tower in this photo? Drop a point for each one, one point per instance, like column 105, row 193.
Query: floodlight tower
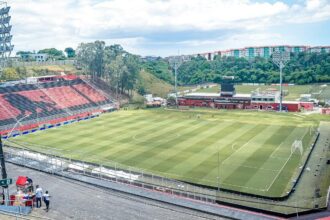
column 175, row 62
column 280, row 58
column 5, row 36
column 5, row 51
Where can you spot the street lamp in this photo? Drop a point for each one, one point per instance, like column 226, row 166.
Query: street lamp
column 280, row 58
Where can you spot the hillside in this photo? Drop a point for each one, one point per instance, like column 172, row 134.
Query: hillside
column 154, row 85
column 37, row 70
column 149, row 82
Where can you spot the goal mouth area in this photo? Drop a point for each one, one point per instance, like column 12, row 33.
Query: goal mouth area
column 297, row 145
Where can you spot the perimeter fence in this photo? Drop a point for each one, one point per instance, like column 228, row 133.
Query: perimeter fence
column 105, row 173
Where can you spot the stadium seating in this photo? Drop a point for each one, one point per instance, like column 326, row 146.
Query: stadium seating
column 47, row 100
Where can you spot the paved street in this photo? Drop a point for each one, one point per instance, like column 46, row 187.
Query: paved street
column 75, row 200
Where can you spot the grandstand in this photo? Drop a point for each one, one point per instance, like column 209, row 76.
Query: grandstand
column 49, row 100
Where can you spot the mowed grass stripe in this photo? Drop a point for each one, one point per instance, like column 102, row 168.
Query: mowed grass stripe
column 85, row 137
column 211, row 163
column 104, row 137
column 125, row 140
column 159, row 134
column 166, row 159
column 186, row 133
column 179, row 142
column 237, row 173
column 205, row 158
column 280, row 154
column 259, row 158
column 58, row 137
column 192, row 156
column 131, row 147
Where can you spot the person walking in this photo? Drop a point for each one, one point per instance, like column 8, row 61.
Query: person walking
column 46, row 200
column 38, row 196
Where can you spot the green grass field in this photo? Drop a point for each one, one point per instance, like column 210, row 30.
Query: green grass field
column 254, row 148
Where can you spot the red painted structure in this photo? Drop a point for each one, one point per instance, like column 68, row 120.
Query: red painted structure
column 309, row 106
column 240, row 102
column 325, row 111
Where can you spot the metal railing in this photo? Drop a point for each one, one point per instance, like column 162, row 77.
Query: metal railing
column 65, row 163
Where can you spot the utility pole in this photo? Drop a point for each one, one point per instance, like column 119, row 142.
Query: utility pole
column 4, row 172
column 280, row 58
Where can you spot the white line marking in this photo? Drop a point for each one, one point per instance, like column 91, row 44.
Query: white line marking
column 279, row 172
column 258, row 168
column 237, row 150
column 228, row 184
column 276, row 150
column 285, row 163
column 232, row 146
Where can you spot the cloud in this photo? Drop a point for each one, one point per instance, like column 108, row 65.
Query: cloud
column 142, row 25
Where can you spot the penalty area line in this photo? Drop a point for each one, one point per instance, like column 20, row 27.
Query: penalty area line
column 236, row 151
column 280, row 171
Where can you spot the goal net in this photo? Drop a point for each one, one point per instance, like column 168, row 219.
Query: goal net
column 297, row 146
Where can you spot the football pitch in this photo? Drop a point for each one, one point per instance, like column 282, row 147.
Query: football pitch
column 250, row 151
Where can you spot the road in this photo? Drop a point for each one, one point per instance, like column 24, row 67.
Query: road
column 75, row 200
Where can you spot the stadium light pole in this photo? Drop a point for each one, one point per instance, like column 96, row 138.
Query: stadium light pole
column 175, row 62
column 280, row 58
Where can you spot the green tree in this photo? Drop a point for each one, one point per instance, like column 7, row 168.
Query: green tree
column 53, row 53
column 70, row 52
column 302, row 68
column 111, row 63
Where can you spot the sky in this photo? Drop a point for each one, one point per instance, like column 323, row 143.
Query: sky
column 169, row 27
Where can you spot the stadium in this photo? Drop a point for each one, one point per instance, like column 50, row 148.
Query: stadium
column 87, row 126
column 220, row 155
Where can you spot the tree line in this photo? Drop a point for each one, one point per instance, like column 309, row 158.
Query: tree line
column 121, row 69
column 302, row 68
column 53, row 53
column 112, row 63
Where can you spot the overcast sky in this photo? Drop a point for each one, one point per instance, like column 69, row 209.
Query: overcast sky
column 166, row 27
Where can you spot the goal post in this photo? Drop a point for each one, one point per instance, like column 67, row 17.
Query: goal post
column 297, row 146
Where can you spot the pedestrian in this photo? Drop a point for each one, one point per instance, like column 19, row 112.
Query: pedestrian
column 46, row 200
column 38, row 196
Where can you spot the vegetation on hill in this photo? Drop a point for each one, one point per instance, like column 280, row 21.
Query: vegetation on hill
column 16, row 73
column 132, row 75
column 159, row 68
column 53, row 53
column 111, row 63
column 302, row 69
column 148, row 83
